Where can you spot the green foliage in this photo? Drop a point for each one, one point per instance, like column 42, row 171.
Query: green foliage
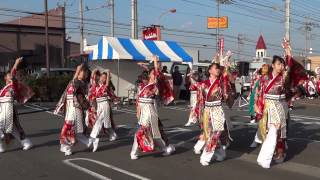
column 48, row 89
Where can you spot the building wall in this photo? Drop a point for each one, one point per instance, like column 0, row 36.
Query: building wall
column 315, row 62
column 29, row 42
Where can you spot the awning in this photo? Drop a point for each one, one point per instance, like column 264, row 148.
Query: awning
column 109, row 48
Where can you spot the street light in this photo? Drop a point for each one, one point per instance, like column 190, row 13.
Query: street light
column 173, row 10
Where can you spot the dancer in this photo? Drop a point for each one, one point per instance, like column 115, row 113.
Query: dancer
column 91, row 113
column 272, row 106
column 264, row 76
column 253, row 85
column 194, row 111
column 102, row 94
column 310, row 88
column 73, row 102
column 148, row 136
column 215, row 127
column 9, row 122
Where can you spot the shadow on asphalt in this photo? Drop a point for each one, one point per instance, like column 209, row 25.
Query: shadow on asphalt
column 46, row 132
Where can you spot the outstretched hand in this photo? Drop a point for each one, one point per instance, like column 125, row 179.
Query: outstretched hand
column 19, row 59
column 155, row 58
column 287, row 47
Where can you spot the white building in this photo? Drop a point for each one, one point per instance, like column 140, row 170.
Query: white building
column 261, row 55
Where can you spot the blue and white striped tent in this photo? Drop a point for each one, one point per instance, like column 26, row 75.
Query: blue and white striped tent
column 109, row 48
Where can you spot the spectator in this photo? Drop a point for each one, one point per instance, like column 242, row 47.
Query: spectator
column 187, row 81
column 177, row 81
column 318, row 85
column 165, row 69
column 201, row 75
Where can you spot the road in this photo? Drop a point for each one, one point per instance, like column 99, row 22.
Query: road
column 112, row 160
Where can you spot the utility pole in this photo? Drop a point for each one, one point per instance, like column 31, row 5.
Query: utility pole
column 307, row 30
column 47, row 37
column 219, row 2
column 112, row 17
column 287, row 20
column 81, row 26
column 63, row 62
column 218, row 28
column 134, row 19
column 239, row 44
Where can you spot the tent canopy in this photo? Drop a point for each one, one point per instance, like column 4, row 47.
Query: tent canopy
column 109, row 48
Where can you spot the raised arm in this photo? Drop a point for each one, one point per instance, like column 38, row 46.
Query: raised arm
column 156, row 63
column 143, row 65
column 94, row 76
column 287, row 52
column 15, row 66
column 108, row 78
column 79, row 67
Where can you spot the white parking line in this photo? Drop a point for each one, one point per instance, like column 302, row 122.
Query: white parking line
column 295, row 117
column 36, row 107
column 99, row 176
column 176, row 108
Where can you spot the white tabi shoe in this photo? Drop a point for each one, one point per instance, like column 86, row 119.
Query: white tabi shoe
column 63, row 148
column 169, row 150
column 204, row 163
column 254, row 144
column 265, row 166
column 253, row 121
column 133, row 156
column 26, row 144
column 95, row 144
column 196, row 152
column 198, row 147
column 113, row 137
column 67, row 150
column 189, row 124
column 90, row 141
column 68, row 153
column 2, row 149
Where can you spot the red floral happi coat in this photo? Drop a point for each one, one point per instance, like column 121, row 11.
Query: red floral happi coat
column 97, row 91
column 144, row 134
column 164, row 90
column 67, row 134
column 165, row 87
column 195, row 111
column 219, row 90
column 282, row 84
column 21, row 93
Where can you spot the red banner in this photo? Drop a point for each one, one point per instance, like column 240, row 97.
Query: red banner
column 151, row 33
column 221, row 45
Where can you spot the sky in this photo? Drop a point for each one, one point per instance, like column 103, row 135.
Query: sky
column 248, row 19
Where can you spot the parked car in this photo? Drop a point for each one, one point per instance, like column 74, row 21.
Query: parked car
column 55, row 72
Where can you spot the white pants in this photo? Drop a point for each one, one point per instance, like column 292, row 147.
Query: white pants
column 257, row 139
column 157, row 143
column 206, row 156
column 16, row 134
column 193, row 104
column 268, row 147
column 199, row 145
column 97, row 128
